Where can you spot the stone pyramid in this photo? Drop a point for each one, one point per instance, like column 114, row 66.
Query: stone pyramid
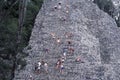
column 81, row 26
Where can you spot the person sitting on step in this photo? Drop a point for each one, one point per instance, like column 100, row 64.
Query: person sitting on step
column 68, row 35
column 53, row 35
column 78, row 59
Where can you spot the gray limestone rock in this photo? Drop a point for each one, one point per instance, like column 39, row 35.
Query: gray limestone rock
column 78, row 26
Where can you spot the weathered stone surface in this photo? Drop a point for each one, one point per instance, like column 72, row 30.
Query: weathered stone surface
column 95, row 38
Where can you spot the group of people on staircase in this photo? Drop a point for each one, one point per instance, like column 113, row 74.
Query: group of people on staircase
column 43, row 65
column 60, row 62
column 59, row 7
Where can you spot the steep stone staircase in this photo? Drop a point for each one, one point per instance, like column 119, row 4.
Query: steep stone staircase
column 73, row 70
column 56, row 18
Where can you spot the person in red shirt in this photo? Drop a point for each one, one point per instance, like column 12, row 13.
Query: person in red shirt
column 71, row 50
column 58, row 64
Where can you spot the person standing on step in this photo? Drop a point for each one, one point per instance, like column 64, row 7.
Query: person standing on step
column 62, row 68
column 65, row 50
column 46, row 50
column 68, row 35
column 30, row 77
column 42, row 62
column 58, row 64
column 69, row 42
column 64, row 55
column 39, row 67
column 36, row 68
column 71, row 50
column 55, row 7
column 46, row 67
column 58, row 40
column 62, row 59
column 59, row 5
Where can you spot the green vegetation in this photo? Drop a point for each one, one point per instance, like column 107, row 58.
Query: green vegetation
column 108, row 7
column 9, row 17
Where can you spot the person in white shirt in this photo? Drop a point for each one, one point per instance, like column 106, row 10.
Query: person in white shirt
column 64, row 54
column 46, row 67
column 30, row 77
column 39, row 67
column 62, row 59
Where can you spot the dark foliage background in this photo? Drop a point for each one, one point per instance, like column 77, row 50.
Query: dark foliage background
column 108, row 7
column 9, row 14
